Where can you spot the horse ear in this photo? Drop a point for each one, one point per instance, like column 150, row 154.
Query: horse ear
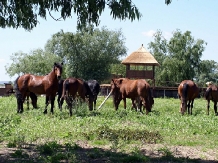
column 55, row 63
column 62, row 63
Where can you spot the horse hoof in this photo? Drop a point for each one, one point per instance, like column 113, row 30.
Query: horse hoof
column 45, row 112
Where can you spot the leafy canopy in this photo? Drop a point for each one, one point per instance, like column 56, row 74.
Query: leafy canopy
column 89, row 53
column 36, row 62
column 25, row 13
column 180, row 57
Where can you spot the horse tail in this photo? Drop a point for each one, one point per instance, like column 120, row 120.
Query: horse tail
column 88, row 90
column 65, row 88
column 18, row 95
column 16, row 88
column 185, row 90
column 207, row 93
column 150, row 98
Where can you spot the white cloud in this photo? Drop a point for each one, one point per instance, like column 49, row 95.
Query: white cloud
column 149, row 33
column 167, row 35
column 2, row 60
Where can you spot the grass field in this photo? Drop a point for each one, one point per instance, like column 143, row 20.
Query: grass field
column 106, row 135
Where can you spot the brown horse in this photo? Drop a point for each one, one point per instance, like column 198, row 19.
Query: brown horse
column 31, row 95
column 47, row 85
column 137, row 90
column 211, row 94
column 187, row 92
column 74, row 86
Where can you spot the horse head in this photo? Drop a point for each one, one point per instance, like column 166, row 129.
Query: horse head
column 115, row 89
column 116, row 83
column 58, row 69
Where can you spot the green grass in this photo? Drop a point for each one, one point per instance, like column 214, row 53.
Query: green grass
column 54, row 137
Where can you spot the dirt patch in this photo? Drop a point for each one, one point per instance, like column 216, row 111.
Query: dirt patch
column 153, row 151
column 159, row 150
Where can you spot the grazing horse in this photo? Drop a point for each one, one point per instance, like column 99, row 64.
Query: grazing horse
column 71, row 87
column 212, row 94
column 187, row 92
column 32, row 96
column 47, row 85
column 95, row 88
column 137, row 90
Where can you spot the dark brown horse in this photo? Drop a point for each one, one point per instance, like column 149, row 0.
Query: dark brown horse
column 137, row 90
column 187, row 92
column 47, row 85
column 74, row 86
column 59, row 93
column 95, row 89
column 212, row 94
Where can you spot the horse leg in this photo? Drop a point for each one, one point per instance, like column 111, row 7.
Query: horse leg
column 191, row 107
column 208, row 106
column 140, row 103
column 19, row 103
column 94, row 104
column 52, row 99
column 133, row 104
column 117, row 104
column 27, row 102
column 181, row 106
column 72, row 103
column 124, row 103
column 188, row 106
column 184, row 106
column 46, row 104
column 60, row 102
column 215, row 108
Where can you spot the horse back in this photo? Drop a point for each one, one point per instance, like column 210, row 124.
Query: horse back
column 94, row 87
column 129, row 88
column 188, row 90
column 71, row 85
column 23, row 82
column 211, row 93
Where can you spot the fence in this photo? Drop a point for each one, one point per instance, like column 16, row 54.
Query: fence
column 6, row 90
column 158, row 92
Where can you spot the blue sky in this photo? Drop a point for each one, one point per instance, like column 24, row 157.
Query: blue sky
column 197, row 16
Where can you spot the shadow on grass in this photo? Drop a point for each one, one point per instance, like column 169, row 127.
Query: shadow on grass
column 52, row 152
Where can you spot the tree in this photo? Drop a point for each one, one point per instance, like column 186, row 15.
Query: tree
column 208, row 71
column 179, row 57
column 37, row 62
column 87, row 55
column 25, row 13
column 118, row 69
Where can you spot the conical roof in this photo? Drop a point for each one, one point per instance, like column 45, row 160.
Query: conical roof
column 140, row 57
